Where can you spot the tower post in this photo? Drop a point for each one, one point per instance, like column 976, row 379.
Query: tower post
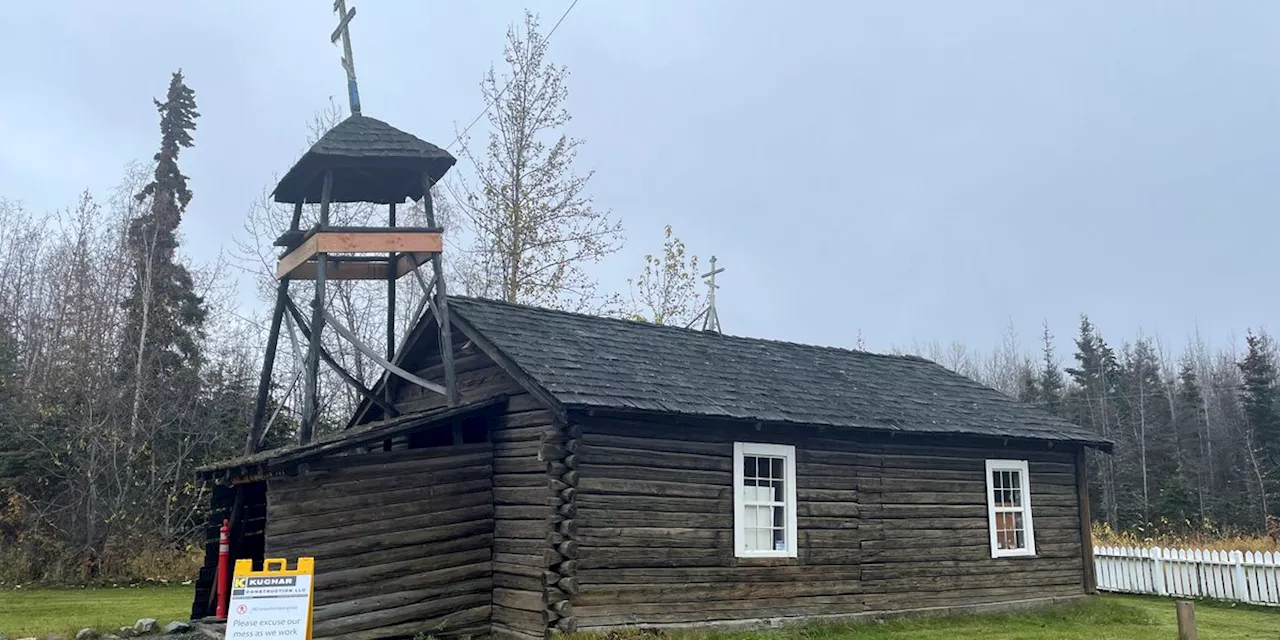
column 441, row 301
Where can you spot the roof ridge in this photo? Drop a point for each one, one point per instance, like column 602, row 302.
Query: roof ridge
column 698, row 332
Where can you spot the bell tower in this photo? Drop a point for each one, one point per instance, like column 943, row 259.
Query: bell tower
column 362, row 159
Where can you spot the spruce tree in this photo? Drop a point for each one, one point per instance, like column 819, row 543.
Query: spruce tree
column 1050, row 384
column 1261, row 400
column 164, row 315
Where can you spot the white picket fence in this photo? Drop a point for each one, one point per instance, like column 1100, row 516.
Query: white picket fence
column 1242, row 576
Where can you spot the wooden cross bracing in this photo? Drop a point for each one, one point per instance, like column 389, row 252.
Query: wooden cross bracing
column 360, row 253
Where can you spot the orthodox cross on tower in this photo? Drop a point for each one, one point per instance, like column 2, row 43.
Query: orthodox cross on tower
column 344, row 19
column 710, row 319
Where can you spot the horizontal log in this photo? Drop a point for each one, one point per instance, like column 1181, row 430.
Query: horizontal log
column 319, row 489
column 663, row 454
column 380, row 464
column 520, row 465
column 650, row 473
column 610, row 615
column 519, row 619
column 499, row 631
column 409, row 552
column 523, row 529
column 604, row 518
column 393, row 599
column 987, row 567
column 681, row 537
column 284, row 525
column 1031, row 578
column 538, row 561
column 899, row 601
column 523, row 495
column 529, row 433
column 590, row 501
column 627, row 594
column 522, row 512
column 476, row 558
column 594, row 438
column 520, row 546
column 631, row 557
column 391, row 539
column 482, row 513
column 721, row 574
column 515, row 564
column 460, row 611
column 355, row 500
column 517, row 582
column 507, row 480
column 636, row 488
column 428, row 578
column 515, row 599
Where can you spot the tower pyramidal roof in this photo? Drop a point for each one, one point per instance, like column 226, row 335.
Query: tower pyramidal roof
column 371, row 160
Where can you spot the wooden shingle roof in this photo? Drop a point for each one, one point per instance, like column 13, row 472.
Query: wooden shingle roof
column 372, row 162
column 589, row 362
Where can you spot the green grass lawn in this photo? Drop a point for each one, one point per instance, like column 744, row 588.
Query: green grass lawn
column 35, row 612
column 39, row 611
column 1109, row 617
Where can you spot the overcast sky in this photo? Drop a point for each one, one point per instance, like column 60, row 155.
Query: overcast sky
column 916, row 170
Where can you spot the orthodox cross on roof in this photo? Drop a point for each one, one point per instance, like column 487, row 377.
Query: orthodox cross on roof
column 710, row 319
column 344, row 19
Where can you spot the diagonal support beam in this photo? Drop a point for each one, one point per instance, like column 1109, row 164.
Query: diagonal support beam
column 373, row 355
column 298, row 319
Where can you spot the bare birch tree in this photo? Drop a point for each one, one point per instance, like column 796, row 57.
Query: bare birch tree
column 665, row 292
column 533, row 227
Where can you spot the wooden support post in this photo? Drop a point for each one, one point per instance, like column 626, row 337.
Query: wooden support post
column 268, row 364
column 269, row 357
column 391, row 300
column 1186, row 620
column 311, row 403
column 442, row 302
column 1086, row 522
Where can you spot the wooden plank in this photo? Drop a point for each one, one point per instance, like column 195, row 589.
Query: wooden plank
column 291, row 260
column 399, row 241
column 1086, row 521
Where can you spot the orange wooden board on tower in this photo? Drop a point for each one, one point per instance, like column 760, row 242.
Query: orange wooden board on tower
column 416, row 245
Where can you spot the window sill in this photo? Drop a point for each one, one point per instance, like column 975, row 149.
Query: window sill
column 997, row 555
column 764, row 561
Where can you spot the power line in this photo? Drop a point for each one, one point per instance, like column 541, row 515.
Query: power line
column 509, row 82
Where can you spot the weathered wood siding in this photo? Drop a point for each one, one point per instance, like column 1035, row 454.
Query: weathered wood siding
column 402, row 539
column 521, row 496
column 882, row 525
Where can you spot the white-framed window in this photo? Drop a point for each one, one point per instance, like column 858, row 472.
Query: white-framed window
column 764, row 500
column 1009, row 509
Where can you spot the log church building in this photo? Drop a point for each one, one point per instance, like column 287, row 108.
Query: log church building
column 598, row 473
column 520, row 472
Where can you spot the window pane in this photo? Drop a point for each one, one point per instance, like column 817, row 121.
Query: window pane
column 764, row 539
column 779, row 516
column 777, row 468
column 748, row 466
column 1015, row 479
column 779, row 540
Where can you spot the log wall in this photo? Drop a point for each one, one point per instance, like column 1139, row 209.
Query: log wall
column 402, row 539
column 522, row 495
column 883, row 525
